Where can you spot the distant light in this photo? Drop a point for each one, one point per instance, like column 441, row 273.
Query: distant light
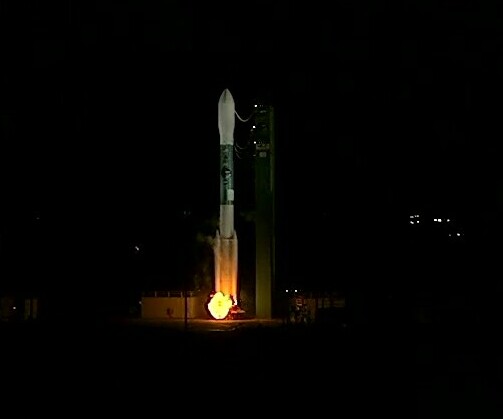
column 254, row 142
column 295, row 290
column 286, row 290
column 14, row 308
column 458, row 234
column 450, row 234
column 137, row 248
column 253, row 126
column 434, row 219
column 412, row 216
column 412, row 222
column 447, row 220
column 254, row 106
column 439, row 220
column 139, row 302
column 418, row 221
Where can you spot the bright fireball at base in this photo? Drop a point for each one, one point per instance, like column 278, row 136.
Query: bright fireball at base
column 219, row 305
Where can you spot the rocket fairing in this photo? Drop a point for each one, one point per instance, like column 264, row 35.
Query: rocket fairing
column 226, row 118
column 226, row 238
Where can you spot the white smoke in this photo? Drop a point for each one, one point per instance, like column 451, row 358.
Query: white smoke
column 205, row 239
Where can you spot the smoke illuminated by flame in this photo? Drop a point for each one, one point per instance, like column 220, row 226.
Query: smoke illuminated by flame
column 219, row 305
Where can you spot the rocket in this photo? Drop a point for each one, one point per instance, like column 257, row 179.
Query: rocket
column 226, row 238
column 226, row 122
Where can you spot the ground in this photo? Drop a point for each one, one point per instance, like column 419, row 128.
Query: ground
column 254, row 366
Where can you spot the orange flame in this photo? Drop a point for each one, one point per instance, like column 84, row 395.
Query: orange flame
column 219, row 305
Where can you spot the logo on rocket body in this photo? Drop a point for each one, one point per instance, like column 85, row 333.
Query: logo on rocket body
column 226, row 117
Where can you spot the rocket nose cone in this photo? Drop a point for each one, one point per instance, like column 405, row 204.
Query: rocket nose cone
column 226, row 97
column 226, row 117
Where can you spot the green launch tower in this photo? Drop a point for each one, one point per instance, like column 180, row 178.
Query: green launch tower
column 264, row 211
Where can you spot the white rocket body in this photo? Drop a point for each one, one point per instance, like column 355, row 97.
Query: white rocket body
column 226, row 239
column 226, row 122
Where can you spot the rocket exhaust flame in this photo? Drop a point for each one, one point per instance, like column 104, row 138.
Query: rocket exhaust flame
column 223, row 306
column 220, row 305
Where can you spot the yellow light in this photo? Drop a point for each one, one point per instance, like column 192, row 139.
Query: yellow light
column 219, row 305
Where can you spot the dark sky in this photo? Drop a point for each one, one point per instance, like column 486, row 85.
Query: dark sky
column 109, row 125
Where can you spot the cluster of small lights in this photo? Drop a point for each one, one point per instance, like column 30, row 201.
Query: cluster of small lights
column 413, row 219
column 291, row 291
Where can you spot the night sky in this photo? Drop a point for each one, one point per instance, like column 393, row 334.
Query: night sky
column 110, row 141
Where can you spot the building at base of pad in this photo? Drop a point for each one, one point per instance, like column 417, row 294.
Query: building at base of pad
column 171, row 305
